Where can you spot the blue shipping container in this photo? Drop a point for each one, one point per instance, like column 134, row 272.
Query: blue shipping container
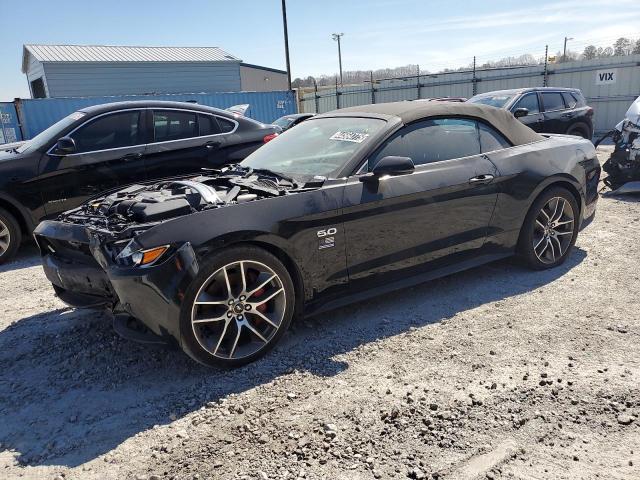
column 9, row 124
column 39, row 114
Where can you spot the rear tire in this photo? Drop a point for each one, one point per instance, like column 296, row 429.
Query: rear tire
column 10, row 236
column 550, row 229
column 238, row 307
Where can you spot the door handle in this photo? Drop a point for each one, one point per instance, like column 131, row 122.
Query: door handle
column 132, row 156
column 480, row 179
column 567, row 115
column 212, row 145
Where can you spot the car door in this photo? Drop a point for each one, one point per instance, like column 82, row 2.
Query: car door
column 184, row 142
column 109, row 152
column 407, row 224
column 534, row 119
column 556, row 116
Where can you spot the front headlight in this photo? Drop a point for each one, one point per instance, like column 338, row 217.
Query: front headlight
column 134, row 255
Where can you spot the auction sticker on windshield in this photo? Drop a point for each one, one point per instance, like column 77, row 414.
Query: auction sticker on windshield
column 355, row 137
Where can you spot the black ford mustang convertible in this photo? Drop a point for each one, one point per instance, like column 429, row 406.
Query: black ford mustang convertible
column 347, row 205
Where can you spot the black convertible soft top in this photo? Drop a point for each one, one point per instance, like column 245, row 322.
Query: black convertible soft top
column 407, row 112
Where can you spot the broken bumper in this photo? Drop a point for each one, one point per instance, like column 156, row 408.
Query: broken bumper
column 84, row 276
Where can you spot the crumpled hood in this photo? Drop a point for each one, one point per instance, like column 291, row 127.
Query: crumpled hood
column 632, row 115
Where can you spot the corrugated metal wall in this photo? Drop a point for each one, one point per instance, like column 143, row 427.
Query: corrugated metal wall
column 9, row 124
column 610, row 101
column 122, row 78
column 38, row 114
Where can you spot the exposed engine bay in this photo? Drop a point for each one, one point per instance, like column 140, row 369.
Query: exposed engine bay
column 624, row 163
column 140, row 206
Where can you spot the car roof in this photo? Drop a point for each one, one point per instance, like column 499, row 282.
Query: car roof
column 409, row 112
column 108, row 107
column 515, row 91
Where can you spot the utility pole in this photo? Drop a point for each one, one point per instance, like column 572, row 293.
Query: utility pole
column 336, row 37
column 286, row 41
column 564, row 53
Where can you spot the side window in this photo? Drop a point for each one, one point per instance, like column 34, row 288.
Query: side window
column 552, row 101
column 174, row 125
column 432, row 141
column 208, row 125
column 491, row 139
column 569, row 99
column 110, row 131
column 226, row 126
column 530, row 102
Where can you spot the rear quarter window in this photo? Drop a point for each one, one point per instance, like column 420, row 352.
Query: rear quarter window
column 552, row 101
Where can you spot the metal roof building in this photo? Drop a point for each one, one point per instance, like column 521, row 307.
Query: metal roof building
column 93, row 70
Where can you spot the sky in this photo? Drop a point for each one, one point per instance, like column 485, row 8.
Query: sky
column 377, row 33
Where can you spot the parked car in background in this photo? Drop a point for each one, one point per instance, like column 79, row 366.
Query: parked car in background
column 545, row 109
column 348, row 205
column 289, row 121
column 108, row 146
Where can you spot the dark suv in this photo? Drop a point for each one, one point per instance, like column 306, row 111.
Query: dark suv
column 545, row 109
column 108, row 146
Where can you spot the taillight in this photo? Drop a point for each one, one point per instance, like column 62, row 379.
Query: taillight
column 589, row 112
column 269, row 137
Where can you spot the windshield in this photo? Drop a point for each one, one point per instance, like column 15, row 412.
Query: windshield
column 498, row 101
column 283, row 122
column 320, row 146
column 53, row 132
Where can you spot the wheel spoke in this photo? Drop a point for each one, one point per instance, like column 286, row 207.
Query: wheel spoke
column 555, row 210
column 4, row 244
column 224, row 332
column 570, row 232
column 264, row 317
column 255, row 332
column 539, row 223
column 243, row 277
column 539, row 242
column 260, row 286
column 557, row 240
column 235, row 342
column 210, row 320
column 566, row 222
column 553, row 251
column 265, row 300
column 228, row 283
column 4, row 231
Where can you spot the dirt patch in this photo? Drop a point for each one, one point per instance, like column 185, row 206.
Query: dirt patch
column 497, row 372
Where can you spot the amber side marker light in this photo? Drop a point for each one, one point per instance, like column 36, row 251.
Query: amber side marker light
column 151, row 255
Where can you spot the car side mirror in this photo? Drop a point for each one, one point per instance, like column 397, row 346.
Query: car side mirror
column 520, row 112
column 66, row 145
column 391, row 165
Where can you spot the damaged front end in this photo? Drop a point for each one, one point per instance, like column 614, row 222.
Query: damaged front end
column 93, row 257
column 623, row 165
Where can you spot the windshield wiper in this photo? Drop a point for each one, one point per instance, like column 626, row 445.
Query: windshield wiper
column 266, row 171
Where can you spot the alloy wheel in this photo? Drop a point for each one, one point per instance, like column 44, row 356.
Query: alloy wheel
column 238, row 309
column 553, row 230
column 5, row 238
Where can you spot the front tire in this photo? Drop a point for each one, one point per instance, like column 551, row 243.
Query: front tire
column 238, row 307
column 10, row 236
column 550, row 229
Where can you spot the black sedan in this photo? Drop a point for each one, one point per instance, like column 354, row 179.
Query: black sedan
column 348, row 205
column 109, row 146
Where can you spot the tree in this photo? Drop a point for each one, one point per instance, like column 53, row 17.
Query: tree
column 622, row 46
column 636, row 49
column 590, row 52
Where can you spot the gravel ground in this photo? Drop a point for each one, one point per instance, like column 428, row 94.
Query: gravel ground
column 497, row 372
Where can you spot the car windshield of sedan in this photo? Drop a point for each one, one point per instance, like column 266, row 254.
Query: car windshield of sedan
column 53, row 132
column 498, row 101
column 317, row 147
